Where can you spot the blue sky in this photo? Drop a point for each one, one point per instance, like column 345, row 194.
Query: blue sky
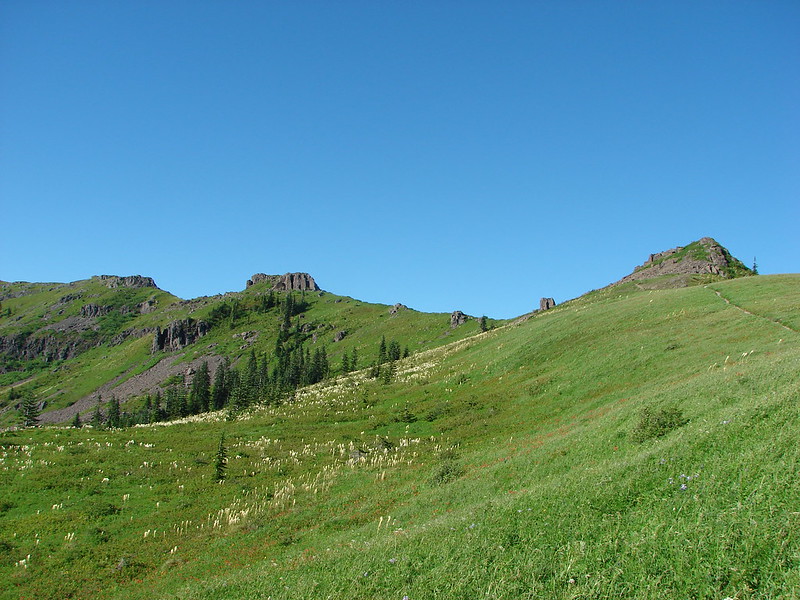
column 447, row 155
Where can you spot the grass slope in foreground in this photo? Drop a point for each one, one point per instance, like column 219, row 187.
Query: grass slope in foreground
column 514, row 464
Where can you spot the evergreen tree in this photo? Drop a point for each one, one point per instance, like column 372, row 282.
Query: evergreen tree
column 221, row 460
column 97, row 416
column 483, row 324
column 263, row 377
column 354, row 360
column 755, row 266
column 201, row 390
column 393, row 352
column 382, row 351
column 233, row 383
column 29, row 412
column 388, row 372
column 406, row 352
column 345, row 363
column 158, row 412
column 112, row 408
column 249, row 379
column 76, row 422
column 220, row 392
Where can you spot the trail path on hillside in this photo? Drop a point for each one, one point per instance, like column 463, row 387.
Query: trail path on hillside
column 752, row 314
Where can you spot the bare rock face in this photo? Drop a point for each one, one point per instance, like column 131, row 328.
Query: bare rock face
column 131, row 281
column 457, row 318
column 397, row 308
column 339, row 335
column 179, row 334
column 93, row 310
column 546, row 303
column 147, row 306
column 300, row 282
column 705, row 256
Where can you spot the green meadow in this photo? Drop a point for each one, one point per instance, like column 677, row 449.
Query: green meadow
column 631, row 443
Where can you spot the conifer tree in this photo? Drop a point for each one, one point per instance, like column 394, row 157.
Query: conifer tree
column 113, row 418
column 220, row 392
column 221, row 460
column 382, row 351
column 201, row 389
column 345, row 363
column 97, row 416
column 393, row 352
column 29, row 412
column 483, row 324
column 354, row 360
column 263, row 376
column 76, row 422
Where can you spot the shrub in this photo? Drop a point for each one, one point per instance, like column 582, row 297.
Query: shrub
column 657, row 423
column 445, row 472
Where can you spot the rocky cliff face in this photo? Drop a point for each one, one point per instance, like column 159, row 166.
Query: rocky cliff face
column 131, row 281
column 179, row 334
column 301, row 282
column 705, row 256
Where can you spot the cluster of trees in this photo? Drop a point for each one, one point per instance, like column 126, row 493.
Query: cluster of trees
column 384, row 367
column 232, row 312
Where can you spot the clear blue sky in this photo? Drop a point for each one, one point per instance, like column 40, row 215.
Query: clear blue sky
column 447, row 155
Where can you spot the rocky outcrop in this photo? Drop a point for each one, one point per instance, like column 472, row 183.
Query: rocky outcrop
column 147, row 306
column 131, row 281
column 179, row 334
column 703, row 257
column 93, row 310
column 457, row 318
column 300, row 282
column 397, row 308
column 546, row 303
column 47, row 347
column 339, row 335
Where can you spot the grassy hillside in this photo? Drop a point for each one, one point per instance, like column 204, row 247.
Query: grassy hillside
column 630, row 444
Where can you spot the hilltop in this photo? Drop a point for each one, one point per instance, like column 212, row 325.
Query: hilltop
column 698, row 262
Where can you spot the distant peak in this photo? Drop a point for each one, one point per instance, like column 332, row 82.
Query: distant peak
column 301, row 282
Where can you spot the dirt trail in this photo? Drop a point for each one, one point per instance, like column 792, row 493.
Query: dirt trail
column 752, row 314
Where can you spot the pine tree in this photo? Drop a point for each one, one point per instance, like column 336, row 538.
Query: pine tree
column 76, row 422
column 345, row 363
column 220, row 392
column 221, row 460
column 755, row 266
column 113, row 418
column 483, row 324
column 354, row 360
column 29, row 412
column 382, row 351
column 393, row 351
column 97, row 416
column 201, row 390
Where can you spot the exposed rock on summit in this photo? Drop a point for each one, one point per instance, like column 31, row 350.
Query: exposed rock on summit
column 546, row 303
column 703, row 257
column 457, row 318
column 301, row 282
column 131, row 281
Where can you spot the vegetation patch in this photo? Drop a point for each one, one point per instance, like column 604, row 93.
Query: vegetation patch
column 654, row 423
